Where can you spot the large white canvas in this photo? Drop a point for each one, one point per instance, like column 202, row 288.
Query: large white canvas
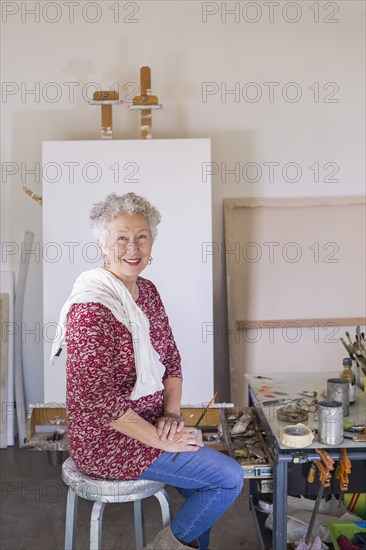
column 169, row 174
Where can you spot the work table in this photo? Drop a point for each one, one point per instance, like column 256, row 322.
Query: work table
column 292, row 384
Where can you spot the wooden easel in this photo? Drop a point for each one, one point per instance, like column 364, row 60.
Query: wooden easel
column 106, row 100
column 145, row 103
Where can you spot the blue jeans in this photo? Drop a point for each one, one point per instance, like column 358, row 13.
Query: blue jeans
column 208, row 480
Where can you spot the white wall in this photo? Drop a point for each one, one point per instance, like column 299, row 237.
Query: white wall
column 321, row 52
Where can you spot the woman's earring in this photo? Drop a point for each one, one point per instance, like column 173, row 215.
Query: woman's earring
column 151, row 259
column 107, row 262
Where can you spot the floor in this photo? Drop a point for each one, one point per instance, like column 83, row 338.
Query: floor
column 33, row 504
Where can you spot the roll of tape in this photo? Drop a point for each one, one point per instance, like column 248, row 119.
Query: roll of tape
column 296, row 436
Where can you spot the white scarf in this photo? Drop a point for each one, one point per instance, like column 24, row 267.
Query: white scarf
column 100, row 286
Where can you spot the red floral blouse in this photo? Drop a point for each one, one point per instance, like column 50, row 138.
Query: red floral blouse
column 100, row 377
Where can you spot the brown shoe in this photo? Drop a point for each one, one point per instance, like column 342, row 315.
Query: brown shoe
column 165, row 540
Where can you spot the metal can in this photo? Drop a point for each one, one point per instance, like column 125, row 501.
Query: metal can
column 338, row 390
column 330, row 415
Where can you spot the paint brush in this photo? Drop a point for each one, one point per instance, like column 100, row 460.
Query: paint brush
column 349, row 339
column 198, row 421
column 347, row 347
column 205, row 411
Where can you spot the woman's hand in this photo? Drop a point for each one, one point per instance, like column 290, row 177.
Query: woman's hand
column 186, row 440
column 167, row 426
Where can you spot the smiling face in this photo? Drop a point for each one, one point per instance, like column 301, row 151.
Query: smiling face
column 128, row 247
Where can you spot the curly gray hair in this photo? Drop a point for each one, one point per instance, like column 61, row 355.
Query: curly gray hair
column 113, row 205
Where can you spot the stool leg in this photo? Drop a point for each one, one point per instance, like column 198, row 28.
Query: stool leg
column 96, row 525
column 164, row 501
column 139, row 524
column 71, row 512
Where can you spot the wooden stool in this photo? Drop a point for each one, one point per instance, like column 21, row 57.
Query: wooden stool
column 103, row 491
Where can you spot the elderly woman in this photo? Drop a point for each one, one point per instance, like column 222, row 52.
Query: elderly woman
column 124, row 380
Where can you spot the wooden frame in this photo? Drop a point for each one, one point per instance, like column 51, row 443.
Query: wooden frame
column 302, row 323
column 258, row 357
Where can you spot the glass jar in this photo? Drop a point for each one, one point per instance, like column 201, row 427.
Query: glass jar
column 348, row 374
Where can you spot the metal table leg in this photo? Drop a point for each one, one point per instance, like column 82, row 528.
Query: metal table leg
column 279, row 536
